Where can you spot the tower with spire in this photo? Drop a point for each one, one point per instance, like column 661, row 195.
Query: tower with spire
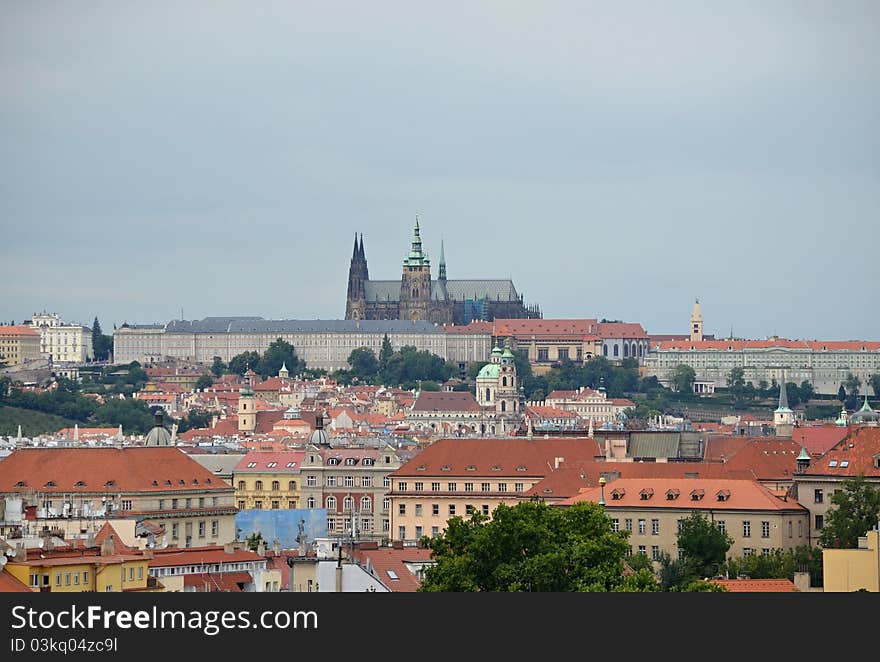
column 415, row 286
column 358, row 275
column 783, row 417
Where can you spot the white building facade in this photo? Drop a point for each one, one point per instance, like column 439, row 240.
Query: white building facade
column 61, row 342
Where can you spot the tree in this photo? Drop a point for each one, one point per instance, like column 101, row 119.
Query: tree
column 852, row 384
column 683, row 379
column 385, row 354
column 102, row 345
column 364, row 364
column 807, row 391
column 874, row 381
column 703, row 544
column 133, row 415
column 736, row 380
column 241, row 363
column 856, row 510
column 279, row 353
column 255, row 540
column 793, row 393
column 217, row 367
column 529, row 547
column 204, row 382
column 841, row 393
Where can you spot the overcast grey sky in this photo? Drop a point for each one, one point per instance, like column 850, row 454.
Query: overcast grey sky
column 616, row 159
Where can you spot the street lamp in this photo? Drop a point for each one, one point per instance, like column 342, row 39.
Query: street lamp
column 602, row 487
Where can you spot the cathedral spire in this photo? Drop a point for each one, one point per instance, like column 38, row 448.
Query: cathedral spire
column 783, row 396
column 442, row 274
column 417, row 257
column 354, row 253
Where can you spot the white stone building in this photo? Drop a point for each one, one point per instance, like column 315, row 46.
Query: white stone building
column 61, row 342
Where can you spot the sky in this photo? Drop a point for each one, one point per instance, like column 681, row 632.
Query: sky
column 615, row 159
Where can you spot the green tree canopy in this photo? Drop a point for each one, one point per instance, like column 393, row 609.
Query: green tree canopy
column 683, row 378
column 205, row 381
column 529, row 547
column 385, row 354
column 856, row 509
column 102, row 344
column 874, row 381
column 364, row 364
column 703, row 544
column 218, row 367
column 279, row 353
column 241, row 363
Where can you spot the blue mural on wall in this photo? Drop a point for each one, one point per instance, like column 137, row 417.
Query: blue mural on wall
column 282, row 525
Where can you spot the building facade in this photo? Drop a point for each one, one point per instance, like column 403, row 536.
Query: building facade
column 417, row 297
column 18, row 344
column 267, row 479
column 61, row 342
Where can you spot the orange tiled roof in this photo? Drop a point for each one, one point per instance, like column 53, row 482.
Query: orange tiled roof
column 141, row 469
column 446, row 401
column 513, row 457
column 579, row 328
column 768, row 457
column 9, row 584
column 856, row 454
column 17, row 330
column 622, row 330
column 218, row 582
column 263, row 459
column 210, row 554
column 742, row 495
column 756, row 585
column 385, row 559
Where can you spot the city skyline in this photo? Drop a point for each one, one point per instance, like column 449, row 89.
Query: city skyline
column 615, row 162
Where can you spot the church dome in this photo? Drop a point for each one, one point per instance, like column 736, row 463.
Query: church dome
column 319, row 437
column 865, row 414
column 158, row 434
column 488, row 371
column 496, row 351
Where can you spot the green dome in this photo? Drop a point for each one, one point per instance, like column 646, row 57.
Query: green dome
column 496, row 351
column 488, row 371
column 507, row 354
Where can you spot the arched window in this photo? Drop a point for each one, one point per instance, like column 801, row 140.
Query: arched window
column 488, row 394
column 503, row 405
column 504, row 381
column 331, row 503
column 633, row 351
column 310, row 502
column 347, row 503
column 241, row 486
column 366, row 504
column 605, row 350
column 626, row 349
column 276, row 485
column 640, row 350
column 616, row 353
column 291, row 486
column 258, row 485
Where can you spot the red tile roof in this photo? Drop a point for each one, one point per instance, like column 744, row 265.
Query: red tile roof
column 743, row 495
column 819, row 439
column 385, row 559
column 857, row 454
column 263, row 458
column 579, row 328
column 17, row 330
column 473, row 327
column 770, row 458
column 213, row 554
column 132, row 469
column 9, row 584
column 119, row 547
column 622, row 330
column 218, row 582
column 446, row 401
column 512, row 457
column 756, row 585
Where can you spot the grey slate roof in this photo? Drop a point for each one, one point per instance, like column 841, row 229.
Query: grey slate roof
column 653, row 444
column 260, row 325
column 457, row 290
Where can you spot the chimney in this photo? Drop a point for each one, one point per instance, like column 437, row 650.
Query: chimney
column 557, row 461
column 108, row 547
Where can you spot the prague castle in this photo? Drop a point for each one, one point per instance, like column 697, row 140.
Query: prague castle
column 418, row 297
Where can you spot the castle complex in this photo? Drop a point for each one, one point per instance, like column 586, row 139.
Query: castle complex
column 418, row 297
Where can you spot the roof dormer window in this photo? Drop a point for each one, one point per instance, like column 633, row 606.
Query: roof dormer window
column 646, row 494
column 618, row 493
column 696, row 495
column 672, row 494
column 722, row 495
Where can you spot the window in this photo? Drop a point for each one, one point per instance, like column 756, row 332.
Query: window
column 468, row 487
column 258, row 486
column 655, row 552
column 765, row 551
column 642, row 549
column 655, row 527
column 331, row 481
column 310, row 502
column 502, row 487
column 386, row 524
column 161, row 504
column 85, row 577
column 628, row 524
column 276, row 485
column 401, row 532
column 347, row 504
column 789, row 528
column 57, row 579
column 615, row 524
column 435, row 509
column 435, row 487
column 386, row 504
column 241, row 504
column 401, row 509
column 366, row 504
column 401, row 486
column 126, row 504
column 452, row 510
column 366, row 481
column 275, row 504
column 349, row 481
column 747, row 551
column 418, row 510
column 435, row 531
column 202, row 528
column 765, row 529
column 418, row 532
column 258, row 505
column 747, row 529
column 485, row 487
column 386, row 482
column 215, row 528
column 201, row 502
column 820, row 522
column 486, row 509
column 173, row 504
column 331, row 523
column 562, row 353
column 641, row 526
column 722, row 525
column 451, row 487
column 175, row 530
column 311, row 481
column 331, row 503
column 543, row 354
column 67, row 579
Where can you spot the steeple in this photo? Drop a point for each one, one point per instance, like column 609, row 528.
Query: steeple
column 783, row 397
column 696, row 322
column 442, row 274
column 416, row 257
column 356, row 252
